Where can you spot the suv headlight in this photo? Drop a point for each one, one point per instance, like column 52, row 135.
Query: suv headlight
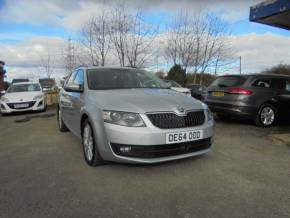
column 38, row 97
column 209, row 114
column 123, row 118
column 4, row 99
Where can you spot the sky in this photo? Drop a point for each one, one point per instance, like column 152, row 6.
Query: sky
column 29, row 27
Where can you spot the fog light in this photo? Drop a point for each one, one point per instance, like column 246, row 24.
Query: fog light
column 40, row 104
column 125, row 149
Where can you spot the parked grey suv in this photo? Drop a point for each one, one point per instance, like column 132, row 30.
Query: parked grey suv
column 129, row 115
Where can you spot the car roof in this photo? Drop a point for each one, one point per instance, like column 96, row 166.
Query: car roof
column 258, row 75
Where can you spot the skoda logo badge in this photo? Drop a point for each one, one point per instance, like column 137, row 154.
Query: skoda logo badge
column 21, row 99
column 180, row 109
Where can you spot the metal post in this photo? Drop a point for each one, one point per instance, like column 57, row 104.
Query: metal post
column 240, row 64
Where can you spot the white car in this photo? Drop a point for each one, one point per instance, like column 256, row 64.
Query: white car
column 176, row 87
column 25, row 96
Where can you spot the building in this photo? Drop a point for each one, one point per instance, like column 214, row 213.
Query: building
column 272, row 12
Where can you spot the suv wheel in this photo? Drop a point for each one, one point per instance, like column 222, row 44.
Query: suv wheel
column 266, row 116
column 61, row 126
column 91, row 154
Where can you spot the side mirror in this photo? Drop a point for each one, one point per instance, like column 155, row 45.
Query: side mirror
column 74, row 88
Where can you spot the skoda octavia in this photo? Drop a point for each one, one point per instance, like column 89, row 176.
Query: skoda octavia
column 131, row 116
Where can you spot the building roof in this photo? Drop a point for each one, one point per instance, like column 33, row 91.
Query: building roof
column 272, row 12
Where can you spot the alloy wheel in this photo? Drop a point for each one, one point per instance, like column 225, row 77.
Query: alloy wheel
column 267, row 116
column 88, row 142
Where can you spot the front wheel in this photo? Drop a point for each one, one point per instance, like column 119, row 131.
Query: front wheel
column 266, row 116
column 91, row 153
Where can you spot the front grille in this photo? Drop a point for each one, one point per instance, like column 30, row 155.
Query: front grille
column 171, row 120
column 156, row 151
column 30, row 104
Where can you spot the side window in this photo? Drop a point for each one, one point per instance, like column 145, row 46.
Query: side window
column 263, row 83
column 79, row 78
column 70, row 81
column 288, row 85
column 278, row 83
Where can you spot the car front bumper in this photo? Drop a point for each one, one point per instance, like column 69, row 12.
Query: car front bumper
column 6, row 108
column 150, row 139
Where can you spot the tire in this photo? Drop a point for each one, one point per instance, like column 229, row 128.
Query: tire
column 90, row 149
column 223, row 117
column 61, row 126
column 44, row 109
column 266, row 116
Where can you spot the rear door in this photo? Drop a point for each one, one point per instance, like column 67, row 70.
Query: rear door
column 282, row 90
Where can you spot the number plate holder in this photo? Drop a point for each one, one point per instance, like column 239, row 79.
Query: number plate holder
column 185, row 136
column 16, row 106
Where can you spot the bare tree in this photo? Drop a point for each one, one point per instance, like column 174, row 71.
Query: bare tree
column 95, row 40
column 47, row 63
column 119, row 31
column 139, row 41
column 88, row 41
column 101, row 26
column 181, row 39
column 197, row 42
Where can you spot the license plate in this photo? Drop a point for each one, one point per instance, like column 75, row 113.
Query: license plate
column 187, row 136
column 21, row 105
column 218, row 94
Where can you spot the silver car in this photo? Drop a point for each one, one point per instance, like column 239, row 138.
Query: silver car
column 129, row 115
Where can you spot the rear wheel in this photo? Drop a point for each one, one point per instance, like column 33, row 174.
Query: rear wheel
column 91, row 153
column 61, row 126
column 267, row 116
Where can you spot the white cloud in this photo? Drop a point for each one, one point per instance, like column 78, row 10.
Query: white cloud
column 33, row 73
column 258, row 52
column 261, row 51
column 30, row 52
column 71, row 14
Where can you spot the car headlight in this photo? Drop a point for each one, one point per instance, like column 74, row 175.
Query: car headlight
column 209, row 114
column 123, row 118
column 4, row 99
column 38, row 97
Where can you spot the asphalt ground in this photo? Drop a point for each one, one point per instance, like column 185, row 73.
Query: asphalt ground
column 43, row 174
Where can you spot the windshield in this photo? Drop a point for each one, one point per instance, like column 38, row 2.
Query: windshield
column 19, row 80
column 228, row 81
column 123, row 79
column 24, row 88
column 47, row 82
